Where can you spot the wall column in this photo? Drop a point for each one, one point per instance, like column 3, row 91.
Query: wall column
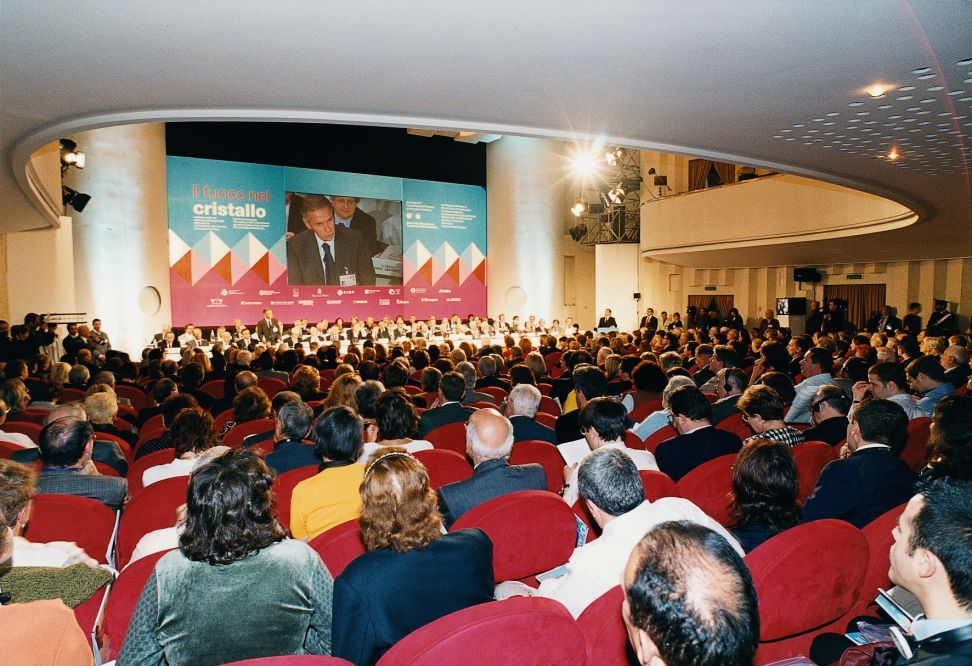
column 525, row 206
column 121, row 247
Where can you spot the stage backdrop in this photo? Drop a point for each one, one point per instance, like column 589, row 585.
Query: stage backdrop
column 228, row 235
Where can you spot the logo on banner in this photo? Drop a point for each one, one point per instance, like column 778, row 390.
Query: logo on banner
column 429, row 300
column 362, row 301
column 399, row 301
column 267, row 292
column 445, row 291
column 418, row 290
column 453, row 300
column 334, row 301
column 306, row 302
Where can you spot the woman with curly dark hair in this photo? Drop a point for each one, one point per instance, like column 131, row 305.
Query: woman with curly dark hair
column 950, row 444
column 764, row 492
column 412, row 573
column 223, row 595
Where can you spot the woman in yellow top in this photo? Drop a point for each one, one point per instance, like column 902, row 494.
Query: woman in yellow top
column 332, row 496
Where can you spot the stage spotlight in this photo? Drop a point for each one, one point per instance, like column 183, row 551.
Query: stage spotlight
column 586, row 163
column 578, row 208
column 612, row 157
column 578, row 232
column 70, row 155
column 616, row 194
column 74, row 199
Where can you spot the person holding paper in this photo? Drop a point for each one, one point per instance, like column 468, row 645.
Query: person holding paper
column 325, row 253
column 489, row 440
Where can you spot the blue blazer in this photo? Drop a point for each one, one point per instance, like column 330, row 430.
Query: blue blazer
column 860, row 488
column 291, row 454
column 526, row 428
column 680, row 455
column 383, row 595
column 490, row 479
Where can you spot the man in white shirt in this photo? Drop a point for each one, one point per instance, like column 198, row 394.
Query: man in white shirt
column 612, row 489
column 603, row 421
column 815, row 368
column 889, row 382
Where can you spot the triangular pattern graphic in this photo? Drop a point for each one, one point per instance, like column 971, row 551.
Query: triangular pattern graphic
column 417, row 254
column 275, row 268
column 480, row 272
column 211, row 248
column 444, row 257
column 453, row 271
column 425, row 272
column 239, row 267
column 199, row 266
column 183, row 266
column 262, row 267
column 177, row 249
column 279, row 250
column 256, row 250
column 224, row 268
column 408, row 269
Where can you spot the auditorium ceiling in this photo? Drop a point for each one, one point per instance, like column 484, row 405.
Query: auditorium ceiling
column 781, row 85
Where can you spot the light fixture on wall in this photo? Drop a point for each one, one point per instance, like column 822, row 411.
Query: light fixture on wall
column 74, row 199
column 579, row 208
column 70, row 155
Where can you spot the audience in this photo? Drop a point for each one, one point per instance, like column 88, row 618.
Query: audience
column 697, row 441
column 589, row 383
column 870, row 478
column 762, row 409
column 489, row 440
column 815, row 367
column 452, row 387
column 662, row 417
column 331, row 496
column 828, row 414
column 192, row 438
column 689, row 599
column 730, row 384
column 764, row 491
column 412, row 573
column 230, row 542
column 926, row 377
column 888, row 381
column 396, row 421
column 950, row 443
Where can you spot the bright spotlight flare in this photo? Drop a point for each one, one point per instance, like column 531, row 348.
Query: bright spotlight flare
column 579, row 208
column 70, row 155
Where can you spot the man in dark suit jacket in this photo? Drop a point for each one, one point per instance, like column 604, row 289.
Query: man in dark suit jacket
column 450, row 409
column 872, row 479
column 347, row 214
column 268, row 329
column 489, row 439
column 589, row 383
column 698, row 441
column 649, row 321
column 884, row 321
column 955, row 360
column 347, row 257
column 607, row 321
column 521, row 407
column 66, row 447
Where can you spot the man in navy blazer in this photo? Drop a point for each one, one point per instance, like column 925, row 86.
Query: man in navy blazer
column 452, row 386
column 870, row 478
column 521, row 407
column 489, row 440
column 697, row 440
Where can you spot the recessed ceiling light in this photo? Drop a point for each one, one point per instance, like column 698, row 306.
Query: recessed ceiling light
column 902, row 98
column 955, row 93
column 921, row 70
column 833, row 113
column 856, row 104
column 963, row 63
column 925, row 77
column 877, row 90
column 885, row 106
column 928, row 100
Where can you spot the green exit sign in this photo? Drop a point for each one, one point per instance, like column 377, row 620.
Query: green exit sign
column 855, row 276
column 710, row 288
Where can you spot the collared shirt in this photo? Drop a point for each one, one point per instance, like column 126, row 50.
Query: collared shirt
column 931, row 398
column 922, row 629
column 789, row 436
column 343, row 222
column 655, row 422
column 805, row 390
column 596, row 567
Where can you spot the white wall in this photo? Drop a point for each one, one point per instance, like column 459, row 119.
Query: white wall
column 40, row 271
column 617, row 281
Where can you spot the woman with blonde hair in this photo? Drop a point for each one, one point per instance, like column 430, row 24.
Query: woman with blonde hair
column 412, row 573
column 342, row 392
column 58, row 377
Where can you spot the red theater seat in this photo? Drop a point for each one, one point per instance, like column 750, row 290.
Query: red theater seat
column 125, row 592
column 338, row 546
column 531, row 530
column 657, row 485
column 805, row 578
column 135, row 395
column 549, row 406
column 810, row 458
column 234, row 438
column 642, row 411
column 32, row 430
column 137, row 468
column 604, row 631
column 734, row 423
column 542, row 453
column 915, row 453
column 879, row 540
column 293, row 660
column 271, row 386
column 451, row 437
column 215, row 388
column 708, row 487
column 6, row 448
column 527, row 631
column 548, row 420
column 444, row 466
column 284, row 486
column 150, row 509
column 87, row 522
column 498, row 394
column 632, row 441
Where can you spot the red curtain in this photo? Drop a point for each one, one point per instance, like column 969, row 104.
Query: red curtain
column 698, row 173
column 863, row 300
column 721, row 303
column 726, row 171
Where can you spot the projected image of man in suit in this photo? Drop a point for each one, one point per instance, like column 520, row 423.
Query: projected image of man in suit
column 325, row 253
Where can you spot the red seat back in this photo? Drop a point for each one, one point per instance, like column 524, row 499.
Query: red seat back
column 915, row 453
column 135, row 395
column 632, row 441
column 444, row 466
column 137, row 468
column 222, row 419
column 234, row 438
column 657, row 485
column 661, row 435
column 542, row 453
column 6, row 448
column 821, row 564
column 498, row 394
column 71, row 395
column 215, row 388
column 152, row 508
column 642, row 411
column 708, row 487
column 153, row 423
column 87, row 522
column 553, row 361
column 125, row 592
column 338, row 546
column 734, row 423
column 271, row 386
column 284, row 486
column 520, row 630
column 604, row 631
column 548, row 420
column 451, row 437
column 531, row 530
column 549, row 406
column 32, row 430
column 879, row 540
column 122, row 444
column 544, row 388
column 810, row 458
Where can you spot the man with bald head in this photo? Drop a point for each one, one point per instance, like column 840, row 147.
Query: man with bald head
column 489, row 440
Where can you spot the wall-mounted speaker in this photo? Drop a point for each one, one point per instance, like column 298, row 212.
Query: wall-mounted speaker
column 806, row 275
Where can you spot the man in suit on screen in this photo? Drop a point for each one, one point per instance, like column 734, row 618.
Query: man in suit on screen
column 325, row 253
column 347, row 214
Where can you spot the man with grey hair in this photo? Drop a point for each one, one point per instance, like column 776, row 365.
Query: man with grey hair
column 955, row 360
column 670, row 361
column 291, row 425
column 468, row 372
column 489, row 440
column 78, row 377
column 521, row 407
column 614, row 494
column 488, row 369
column 66, row 446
